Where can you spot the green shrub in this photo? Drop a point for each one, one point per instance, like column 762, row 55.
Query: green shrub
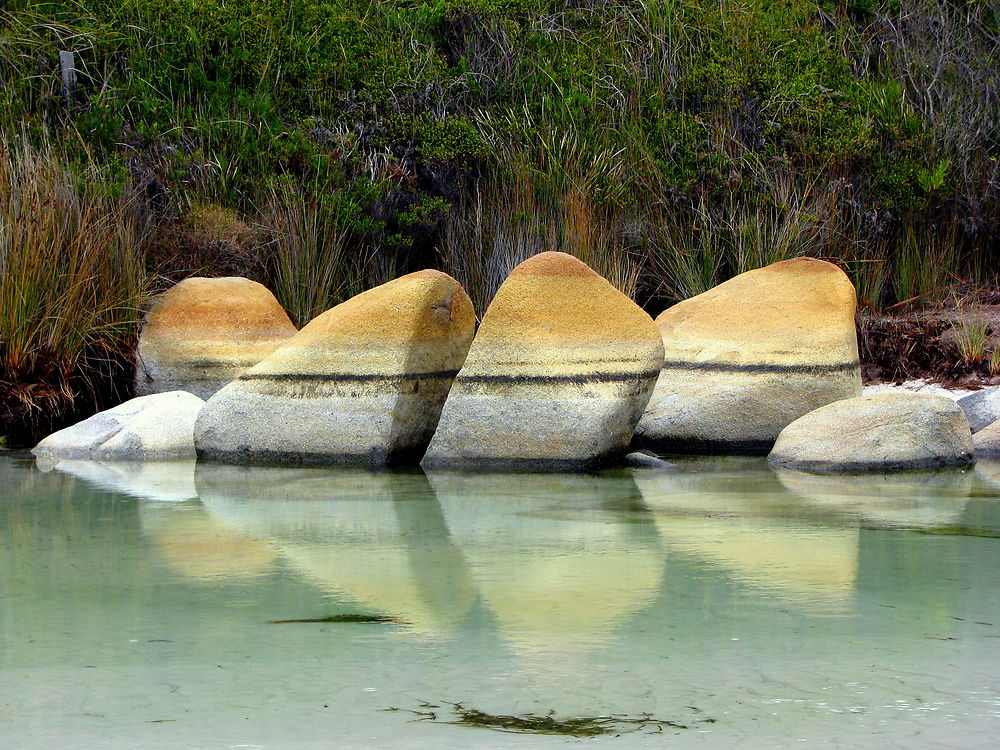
column 649, row 117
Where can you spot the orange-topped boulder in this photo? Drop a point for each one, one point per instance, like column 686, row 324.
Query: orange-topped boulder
column 747, row 358
column 202, row 333
column 560, row 370
column 363, row 383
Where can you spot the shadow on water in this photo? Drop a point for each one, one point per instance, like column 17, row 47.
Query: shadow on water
column 740, row 518
column 906, row 500
column 201, row 548
column 183, row 535
column 558, row 563
column 163, row 481
column 798, row 535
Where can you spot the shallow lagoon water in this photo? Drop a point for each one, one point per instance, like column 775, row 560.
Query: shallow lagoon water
column 791, row 609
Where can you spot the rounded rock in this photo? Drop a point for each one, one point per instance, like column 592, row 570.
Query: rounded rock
column 646, row 460
column 361, row 384
column 880, row 432
column 148, row 428
column 557, row 377
column 986, row 442
column 203, row 333
column 748, row 357
column 982, row 408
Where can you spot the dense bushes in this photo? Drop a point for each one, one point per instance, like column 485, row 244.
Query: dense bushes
column 671, row 142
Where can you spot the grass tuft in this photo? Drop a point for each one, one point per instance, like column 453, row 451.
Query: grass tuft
column 72, row 275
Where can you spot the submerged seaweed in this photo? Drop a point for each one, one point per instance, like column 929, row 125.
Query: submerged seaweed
column 960, row 531
column 577, row 726
column 341, row 618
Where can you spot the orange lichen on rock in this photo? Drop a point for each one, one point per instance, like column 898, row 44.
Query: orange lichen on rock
column 557, row 376
column 363, row 383
column 202, row 333
column 753, row 354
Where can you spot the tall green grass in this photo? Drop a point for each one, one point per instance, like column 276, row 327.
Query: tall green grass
column 550, row 191
column 312, row 263
column 72, row 275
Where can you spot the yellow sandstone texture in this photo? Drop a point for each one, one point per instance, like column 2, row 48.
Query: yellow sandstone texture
column 363, row 383
column 202, row 333
column 560, row 370
column 753, row 354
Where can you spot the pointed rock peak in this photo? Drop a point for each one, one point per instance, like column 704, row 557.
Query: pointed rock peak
column 557, row 376
column 556, row 300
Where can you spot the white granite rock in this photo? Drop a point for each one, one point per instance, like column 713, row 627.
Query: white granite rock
column 646, row 460
column 982, row 408
column 161, row 481
column 987, row 441
column 882, row 432
column 156, row 427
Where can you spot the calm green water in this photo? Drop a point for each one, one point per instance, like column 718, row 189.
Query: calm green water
column 794, row 610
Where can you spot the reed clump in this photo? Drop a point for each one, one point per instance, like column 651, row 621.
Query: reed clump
column 314, row 259
column 72, row 274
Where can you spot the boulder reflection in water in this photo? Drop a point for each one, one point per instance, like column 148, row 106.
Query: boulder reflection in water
column 378, row 539
column 554, row 557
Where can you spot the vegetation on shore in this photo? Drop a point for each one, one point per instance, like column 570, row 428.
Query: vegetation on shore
column 323, row 146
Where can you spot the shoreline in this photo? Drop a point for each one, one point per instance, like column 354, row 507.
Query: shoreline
column 931, row 350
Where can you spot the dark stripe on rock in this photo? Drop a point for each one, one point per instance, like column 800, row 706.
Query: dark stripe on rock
column 344, row 377
column 210, row 364
column 760, row 368
column 703, row 446
column 249, row 456
column 488, row 464
column 585, row 379
column 295, row 389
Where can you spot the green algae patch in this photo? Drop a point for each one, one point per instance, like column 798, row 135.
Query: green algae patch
column 355, row 618
column 577, row 726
